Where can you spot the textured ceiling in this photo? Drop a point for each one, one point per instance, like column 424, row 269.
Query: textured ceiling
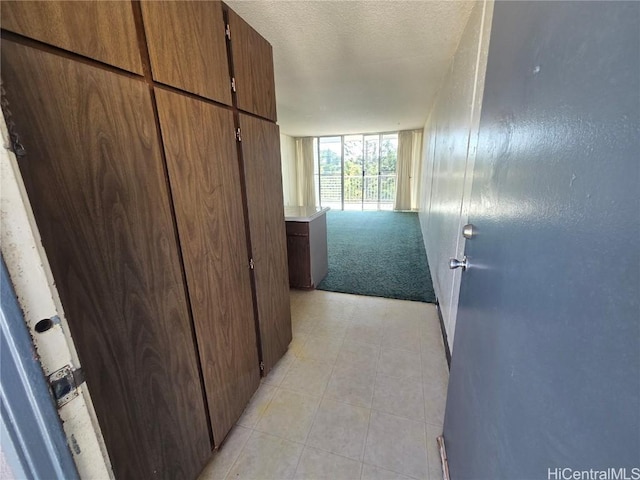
column 356, row 66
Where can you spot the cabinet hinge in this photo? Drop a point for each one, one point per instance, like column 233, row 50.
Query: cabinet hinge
column 238, row 136
column 251, row 264
column 262, row 366
column 64, row 384
column 227, row 31
column 233, row 84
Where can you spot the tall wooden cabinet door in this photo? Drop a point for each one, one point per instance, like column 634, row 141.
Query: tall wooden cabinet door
column 94, row 175
column 200, row 146
column 263, row 178
column 187, row 47
column 253, row 69
column 101, row 30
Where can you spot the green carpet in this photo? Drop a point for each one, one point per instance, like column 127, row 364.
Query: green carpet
column 380, row 254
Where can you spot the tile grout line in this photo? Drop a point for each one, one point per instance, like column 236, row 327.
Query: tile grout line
column 315, row 415
column 235, row 460
column 366, row 437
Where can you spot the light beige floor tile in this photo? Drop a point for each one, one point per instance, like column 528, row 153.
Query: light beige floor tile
column 223, row 460
column 435, row 376
column 404, row 338
column 364, row 314
column 340, row 428
column 435, row 358
column 296, row 347
column 435, row 402
column 369, row 472
column 397, row 444
column 317, row 464
column 289, row 415
column 257, row 405
column 435, row 465
column 400, row 363
column 278, row 372
column 301, row 324
column 435, row 382
column 350, row 386
column 266, row 457
column 364, row 333
column 399, row 396
column 331, row 326
column 323, row 349
column 307, row 376
column 359, row 356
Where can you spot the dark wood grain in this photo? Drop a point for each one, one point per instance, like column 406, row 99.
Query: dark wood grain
column 299, row 255
column 187, row 47
column 102, row 30
column 200, row 148
column 253, row 69
column 94, row 176
column 261, row 155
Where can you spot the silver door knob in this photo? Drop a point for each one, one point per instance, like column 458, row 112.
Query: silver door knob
column 455, row 263
column 469, row 231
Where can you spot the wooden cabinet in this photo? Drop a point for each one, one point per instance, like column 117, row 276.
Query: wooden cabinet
column 152, row 209
column 306, row 246
column 200, row 148
column 261, row 158
column 102, row 30
column 187, row 47
column 252, row 69
column 93, row 171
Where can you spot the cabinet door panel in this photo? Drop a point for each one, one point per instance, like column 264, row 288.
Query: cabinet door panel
column 201, row 153
column 102, row 30
column 263, row 177
column 94, row 175
column 187, row 47
column 253, row 69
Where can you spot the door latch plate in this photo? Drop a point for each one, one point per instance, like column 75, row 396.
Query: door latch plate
column 64, row 384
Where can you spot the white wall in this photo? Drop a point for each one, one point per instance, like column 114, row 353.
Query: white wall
column 289, row 171
column 449, row 146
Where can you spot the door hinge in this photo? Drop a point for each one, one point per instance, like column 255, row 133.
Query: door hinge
column 64, row 384
column 233, row 84
column 251, row 264
column 238, row 136
column 227, row 31
column 262, row 366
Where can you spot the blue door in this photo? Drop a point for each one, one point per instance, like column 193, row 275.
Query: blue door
column 545, row 375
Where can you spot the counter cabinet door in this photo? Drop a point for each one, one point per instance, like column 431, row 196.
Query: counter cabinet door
column 253, row 69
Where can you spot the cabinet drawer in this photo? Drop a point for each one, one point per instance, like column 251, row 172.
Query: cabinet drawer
column 297, row 229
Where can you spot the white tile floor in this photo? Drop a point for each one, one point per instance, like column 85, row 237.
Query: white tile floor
column 359, row 395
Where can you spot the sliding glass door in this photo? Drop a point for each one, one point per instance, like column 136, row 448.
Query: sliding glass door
column 357, row 172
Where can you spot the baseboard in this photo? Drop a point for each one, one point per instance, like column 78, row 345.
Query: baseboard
column 443, row 458
column 447, row 352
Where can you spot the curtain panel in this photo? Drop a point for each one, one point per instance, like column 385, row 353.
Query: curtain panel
column 304, row 164
column 408, row 170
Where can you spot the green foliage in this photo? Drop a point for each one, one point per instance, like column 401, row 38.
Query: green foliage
column 366, row 157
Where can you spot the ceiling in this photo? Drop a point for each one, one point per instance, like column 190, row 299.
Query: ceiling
column 356, row 66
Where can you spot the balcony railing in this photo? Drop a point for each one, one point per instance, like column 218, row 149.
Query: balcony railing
column 376, row 189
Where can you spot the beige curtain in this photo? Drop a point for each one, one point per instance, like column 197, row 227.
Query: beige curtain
column 408, row 169
column 304, row 167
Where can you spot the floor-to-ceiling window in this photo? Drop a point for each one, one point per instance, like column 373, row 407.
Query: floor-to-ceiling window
column 357, row 172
